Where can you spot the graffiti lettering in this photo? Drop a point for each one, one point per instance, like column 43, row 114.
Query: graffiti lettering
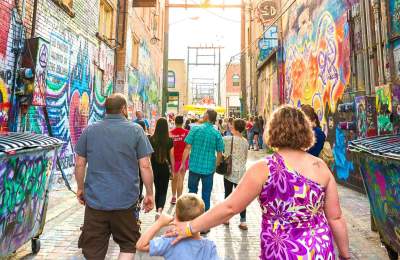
column 40, row 75
column 22, row 196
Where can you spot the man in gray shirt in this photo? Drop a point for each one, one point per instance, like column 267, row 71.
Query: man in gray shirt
column 113, row 150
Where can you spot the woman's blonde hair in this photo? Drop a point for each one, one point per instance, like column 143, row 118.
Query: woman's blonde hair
column 289, row 127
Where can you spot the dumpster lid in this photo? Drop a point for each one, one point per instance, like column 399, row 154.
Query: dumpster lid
column 10, row 142
column 386, row 146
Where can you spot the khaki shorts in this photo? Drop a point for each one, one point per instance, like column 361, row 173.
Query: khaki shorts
column 99, row 225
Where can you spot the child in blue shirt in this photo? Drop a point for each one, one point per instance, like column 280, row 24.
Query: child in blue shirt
column 188, row 207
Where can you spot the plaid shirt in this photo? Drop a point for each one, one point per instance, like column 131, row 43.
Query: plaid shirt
column 205, row 141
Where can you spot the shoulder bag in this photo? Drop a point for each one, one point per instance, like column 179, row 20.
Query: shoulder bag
column 225, row 167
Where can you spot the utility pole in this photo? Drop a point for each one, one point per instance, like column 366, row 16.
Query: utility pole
column 243, row 86
column 164, row 98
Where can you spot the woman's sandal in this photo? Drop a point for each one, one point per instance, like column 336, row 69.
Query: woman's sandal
column 243, row 226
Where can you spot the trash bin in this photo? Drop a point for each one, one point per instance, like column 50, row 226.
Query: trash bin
column 26, row 165
column 378, row 160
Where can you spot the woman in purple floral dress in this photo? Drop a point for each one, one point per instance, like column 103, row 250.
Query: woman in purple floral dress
column 301, row 215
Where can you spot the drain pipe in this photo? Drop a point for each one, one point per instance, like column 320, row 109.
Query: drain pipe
column 387, row 59
column 370, row 47
column 365, row 49
column 378, row 35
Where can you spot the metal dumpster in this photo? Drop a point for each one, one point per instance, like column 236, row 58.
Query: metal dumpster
column 378, row 160
column 26, row 164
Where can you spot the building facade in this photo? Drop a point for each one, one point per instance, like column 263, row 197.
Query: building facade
column 341, row 57
column 232, row 89
column 177, row 86
column 140, row 56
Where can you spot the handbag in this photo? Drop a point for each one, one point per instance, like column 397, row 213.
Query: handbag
column 225, row 167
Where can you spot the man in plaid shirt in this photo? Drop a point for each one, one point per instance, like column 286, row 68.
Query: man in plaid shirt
column 203, row 143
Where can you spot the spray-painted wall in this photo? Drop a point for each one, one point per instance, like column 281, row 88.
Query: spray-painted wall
column 316, row 61
column 80, row 71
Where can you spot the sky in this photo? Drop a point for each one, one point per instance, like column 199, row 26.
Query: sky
column 204, row 27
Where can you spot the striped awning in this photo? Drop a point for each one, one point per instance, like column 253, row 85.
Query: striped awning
column 11, row 142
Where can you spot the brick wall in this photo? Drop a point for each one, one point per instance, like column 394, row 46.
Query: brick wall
column 80, row 72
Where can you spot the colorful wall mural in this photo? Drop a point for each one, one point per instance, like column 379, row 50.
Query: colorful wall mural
column 76, row 89
column 384, row 109
column 7, row 33
column 149, row 84
column 394, row 11
column 365, row 116
column 317, row 54
column 23, row 183
column 395, row 117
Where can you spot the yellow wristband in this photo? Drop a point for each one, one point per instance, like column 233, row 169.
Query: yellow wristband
column 188, row 230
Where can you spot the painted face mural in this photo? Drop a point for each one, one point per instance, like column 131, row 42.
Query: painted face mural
column 316, row 49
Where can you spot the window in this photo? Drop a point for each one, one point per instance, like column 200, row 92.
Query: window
column 171, row 79
column 235, row 80
column 135, row 52
column 106, row 21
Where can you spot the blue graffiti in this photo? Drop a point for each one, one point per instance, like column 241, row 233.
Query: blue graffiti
column 342, row 165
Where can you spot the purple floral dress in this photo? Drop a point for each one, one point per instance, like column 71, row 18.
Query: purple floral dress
column 294, row 225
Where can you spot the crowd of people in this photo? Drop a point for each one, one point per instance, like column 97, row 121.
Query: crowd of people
column 301, row 215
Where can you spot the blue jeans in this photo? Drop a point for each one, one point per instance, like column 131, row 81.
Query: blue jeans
column 250, row 139
column 207, row 185
column 260, row 141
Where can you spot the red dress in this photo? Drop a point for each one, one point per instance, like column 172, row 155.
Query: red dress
column 178, row 135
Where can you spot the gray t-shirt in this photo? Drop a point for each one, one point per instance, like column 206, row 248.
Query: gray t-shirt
column 189, row 249
column 112, row 148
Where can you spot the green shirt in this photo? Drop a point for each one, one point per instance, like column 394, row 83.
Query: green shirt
column 205, row 141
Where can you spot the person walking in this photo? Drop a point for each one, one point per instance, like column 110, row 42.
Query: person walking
column 178, row 135
column 256, row 133
column 301, row 214
column 318, row 133
column 260, row 137
column 161, row 160
column 239, row 158
column 113, row 150
column 249, row 132
column 202, row 143
column 140, row 117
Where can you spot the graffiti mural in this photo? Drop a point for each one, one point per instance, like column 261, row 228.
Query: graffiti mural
column 5, row 21
column 342, row 165
column 40, row 74
column 79, row 78
column 395, row 116
column 4, row 106
column 384, row 108
column 133, row 97
column 23, row 182
column 148, row 89
column 317, row 54
column 394, row 11
column 366, row 116
column 381, row 177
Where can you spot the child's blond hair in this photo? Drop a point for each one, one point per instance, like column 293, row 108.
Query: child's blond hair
column 188, row 207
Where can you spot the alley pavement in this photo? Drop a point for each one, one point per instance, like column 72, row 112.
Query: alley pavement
column 65, row 216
